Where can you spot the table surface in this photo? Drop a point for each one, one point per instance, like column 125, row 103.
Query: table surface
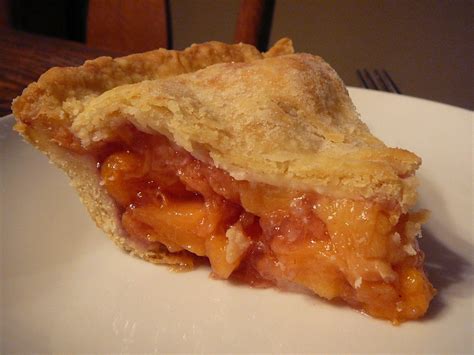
column 24, row 57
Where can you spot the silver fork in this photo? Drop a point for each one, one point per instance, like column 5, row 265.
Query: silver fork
column 379, row 80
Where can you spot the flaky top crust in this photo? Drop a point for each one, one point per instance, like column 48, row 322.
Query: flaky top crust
column 61, row 93
column 286, row 120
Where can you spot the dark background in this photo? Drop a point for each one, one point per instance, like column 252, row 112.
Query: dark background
column 56, row 18
column 426, row 45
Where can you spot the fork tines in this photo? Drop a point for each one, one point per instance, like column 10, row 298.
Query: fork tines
column 379, row 80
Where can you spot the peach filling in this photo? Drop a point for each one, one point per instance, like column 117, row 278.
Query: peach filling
column 360, row 251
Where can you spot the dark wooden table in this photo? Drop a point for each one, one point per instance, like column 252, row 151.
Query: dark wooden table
column 24, row 57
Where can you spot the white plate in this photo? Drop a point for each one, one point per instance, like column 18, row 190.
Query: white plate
column 67, row 288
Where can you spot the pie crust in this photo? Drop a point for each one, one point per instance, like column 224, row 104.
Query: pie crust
column 257, row 162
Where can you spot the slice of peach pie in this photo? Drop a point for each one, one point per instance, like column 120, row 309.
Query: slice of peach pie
column 255, row 161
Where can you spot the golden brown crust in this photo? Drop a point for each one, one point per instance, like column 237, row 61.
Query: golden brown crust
column 61, row 93
column 281, row 47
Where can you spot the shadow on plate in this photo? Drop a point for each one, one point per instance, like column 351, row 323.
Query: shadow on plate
column 448, row 251
column 449, row 272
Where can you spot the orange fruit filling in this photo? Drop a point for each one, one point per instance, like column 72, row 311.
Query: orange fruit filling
column 354, row 250
column 339, row 248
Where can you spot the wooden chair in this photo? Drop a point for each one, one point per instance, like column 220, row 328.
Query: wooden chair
column 141, row 25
